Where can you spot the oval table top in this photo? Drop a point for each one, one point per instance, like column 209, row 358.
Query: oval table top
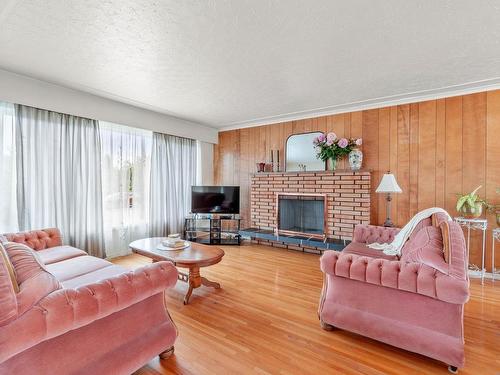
column 195, row 255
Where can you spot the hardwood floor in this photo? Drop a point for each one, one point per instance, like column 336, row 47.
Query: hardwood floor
column 263, row 321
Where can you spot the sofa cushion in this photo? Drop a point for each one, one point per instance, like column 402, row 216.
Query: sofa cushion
column 59, row 253
column 426, row 248
column 94, row 276
column 359, row 248
column 74, row 267
column 9, row 267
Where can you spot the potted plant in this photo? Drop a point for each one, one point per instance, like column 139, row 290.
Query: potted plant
column 471, row 205
column 331, row 148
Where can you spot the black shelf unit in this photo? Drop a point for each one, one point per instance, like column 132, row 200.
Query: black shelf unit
column 213, row 230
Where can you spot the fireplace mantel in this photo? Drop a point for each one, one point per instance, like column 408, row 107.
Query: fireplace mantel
column 336, row 172
column 347, row 192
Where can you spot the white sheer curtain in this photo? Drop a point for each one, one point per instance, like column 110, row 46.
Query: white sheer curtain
column 59, row 176
column 173, row 172
column 8, row 203
column 93, row 180
column 126, row 158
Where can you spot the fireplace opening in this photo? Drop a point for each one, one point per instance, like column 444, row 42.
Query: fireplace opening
column 301, row 214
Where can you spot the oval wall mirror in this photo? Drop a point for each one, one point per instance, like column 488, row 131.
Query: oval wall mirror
column 300, row 154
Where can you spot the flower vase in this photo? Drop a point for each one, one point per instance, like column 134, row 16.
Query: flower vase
column 355, row 159
column 332, row 164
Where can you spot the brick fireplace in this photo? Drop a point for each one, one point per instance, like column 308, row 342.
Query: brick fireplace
column 346, row 196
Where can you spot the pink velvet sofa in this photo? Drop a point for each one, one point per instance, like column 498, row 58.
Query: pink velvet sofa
column 414, row 303
column 77, row 314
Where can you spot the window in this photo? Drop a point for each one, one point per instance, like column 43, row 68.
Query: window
column 126, row 160
column 8, row 202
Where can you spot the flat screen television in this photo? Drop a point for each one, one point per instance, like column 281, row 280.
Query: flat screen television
column 215, row 199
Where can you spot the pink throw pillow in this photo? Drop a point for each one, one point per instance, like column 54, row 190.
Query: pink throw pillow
column 26, row 261
column 426, row 247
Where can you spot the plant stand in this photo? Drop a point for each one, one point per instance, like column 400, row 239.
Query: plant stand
column 474, row 224
column 495, row 233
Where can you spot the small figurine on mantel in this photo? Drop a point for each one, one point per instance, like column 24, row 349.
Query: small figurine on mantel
column 261, row 167
column 302, row 167
column 273, row 165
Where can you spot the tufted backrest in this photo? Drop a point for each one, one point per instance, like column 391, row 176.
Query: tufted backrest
column 364, row 233
column 37, row 239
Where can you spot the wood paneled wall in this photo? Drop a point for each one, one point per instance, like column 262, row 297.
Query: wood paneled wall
column 435, row 148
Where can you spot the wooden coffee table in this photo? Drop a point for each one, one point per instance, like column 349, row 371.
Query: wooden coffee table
column 193, row 258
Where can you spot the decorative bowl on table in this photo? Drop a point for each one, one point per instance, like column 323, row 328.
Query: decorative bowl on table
column 173, row 242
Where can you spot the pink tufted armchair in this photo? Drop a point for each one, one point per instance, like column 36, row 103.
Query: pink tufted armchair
column 64, row 312
column 414, row 303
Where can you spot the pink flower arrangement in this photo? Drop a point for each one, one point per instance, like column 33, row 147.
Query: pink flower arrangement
column 329, row 146
column 342, row 143
column 331, row 137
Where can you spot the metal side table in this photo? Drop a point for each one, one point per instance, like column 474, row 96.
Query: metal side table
column 496, row 237
column 475, row 224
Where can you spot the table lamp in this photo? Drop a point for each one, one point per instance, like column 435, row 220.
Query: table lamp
column 388, row 185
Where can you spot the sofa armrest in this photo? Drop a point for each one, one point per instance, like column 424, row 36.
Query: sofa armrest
column 365, row 233
column 409, row 277
column 68, row 309
column 455, row 249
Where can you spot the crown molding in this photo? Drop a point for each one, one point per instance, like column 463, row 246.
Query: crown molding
column 387, row 101
column 21, row 89
column 106, row 95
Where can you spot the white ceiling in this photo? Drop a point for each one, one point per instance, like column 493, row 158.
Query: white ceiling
column 231, row 63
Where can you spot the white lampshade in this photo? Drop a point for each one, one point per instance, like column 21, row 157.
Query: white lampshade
column 388, row 184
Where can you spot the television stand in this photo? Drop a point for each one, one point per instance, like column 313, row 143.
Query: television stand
column 213, row 229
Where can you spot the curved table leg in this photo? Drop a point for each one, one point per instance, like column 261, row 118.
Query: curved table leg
column 195, row 280
column 212, row 284
column 188, row 294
